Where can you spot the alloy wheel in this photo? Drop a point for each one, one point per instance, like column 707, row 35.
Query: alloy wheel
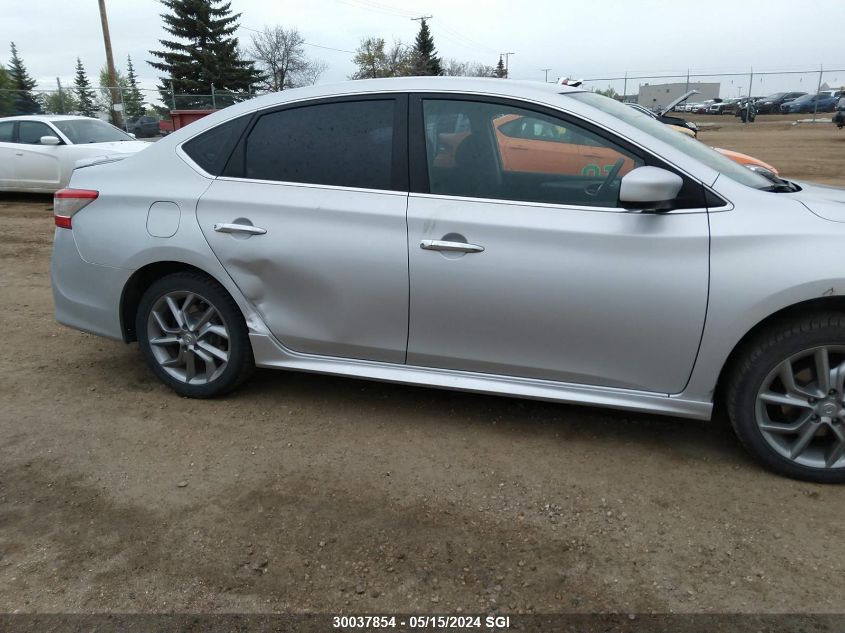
column 188, row 337
column 800, row 407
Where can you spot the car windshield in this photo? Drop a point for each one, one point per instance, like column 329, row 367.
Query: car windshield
column 682, row 142
column 775, row 96
column 81, row 131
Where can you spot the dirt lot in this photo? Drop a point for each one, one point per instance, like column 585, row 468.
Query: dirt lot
column 308, row 493
column 806, row 151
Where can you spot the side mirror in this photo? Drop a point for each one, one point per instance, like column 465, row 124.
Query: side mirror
column 49, row 140
column 649, row 189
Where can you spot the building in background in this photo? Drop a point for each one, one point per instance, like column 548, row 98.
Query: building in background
column 654, row 96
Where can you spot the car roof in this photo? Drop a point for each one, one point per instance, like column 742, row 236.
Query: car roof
column 46, row 117
column 491, row 86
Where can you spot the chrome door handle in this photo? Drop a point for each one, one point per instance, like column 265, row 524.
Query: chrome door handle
column 239, row 228
column 452, row 247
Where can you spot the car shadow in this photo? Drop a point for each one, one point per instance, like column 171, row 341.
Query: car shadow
column 444, row 410
column 14, row 197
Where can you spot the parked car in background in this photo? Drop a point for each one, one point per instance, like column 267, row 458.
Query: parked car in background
column 143, row 126
column 38, row 152
column 704, row 106
column 682, row 125
column 746, row 110
column 754, row 164
column 334, row 229
column 772, row 103
column 810, row 103
column 728, row 106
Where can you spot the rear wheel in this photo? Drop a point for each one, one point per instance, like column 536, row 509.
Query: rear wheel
column 786, row 398
column 193, row 335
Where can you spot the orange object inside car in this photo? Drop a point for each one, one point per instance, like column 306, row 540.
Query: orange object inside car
column 536, row 145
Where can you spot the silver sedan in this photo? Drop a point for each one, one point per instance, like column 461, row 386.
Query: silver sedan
column 530, row 240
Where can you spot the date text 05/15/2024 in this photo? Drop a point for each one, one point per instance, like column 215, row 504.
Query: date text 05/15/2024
column 421, row 622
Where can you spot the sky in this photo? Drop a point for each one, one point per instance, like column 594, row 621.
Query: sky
column 584, row 38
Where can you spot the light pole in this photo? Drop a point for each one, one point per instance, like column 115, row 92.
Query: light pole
column 546, row 70
column 506, row 56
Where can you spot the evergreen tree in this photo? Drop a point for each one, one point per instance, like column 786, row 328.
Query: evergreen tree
column 7, row 97
column 85, row 94
column 423, row 54
column 133, row 100
column 22, row 83
column 500, row 69
column 204, row 51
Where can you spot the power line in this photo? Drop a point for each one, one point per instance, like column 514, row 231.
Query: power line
column 378, row 8
column 442, row 28
column 329, row 48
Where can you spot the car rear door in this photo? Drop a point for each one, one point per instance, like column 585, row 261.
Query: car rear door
column 541, row 274
column 309, row 220
column 8, row 167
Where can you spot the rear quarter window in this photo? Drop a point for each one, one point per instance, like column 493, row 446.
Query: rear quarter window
column 211, row 149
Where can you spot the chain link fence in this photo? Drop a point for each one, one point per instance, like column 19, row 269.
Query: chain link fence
column 106, row 101
column 656, row 90
column 650, row 89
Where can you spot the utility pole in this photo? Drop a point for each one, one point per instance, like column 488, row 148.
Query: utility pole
column 116, row 97
column 546, row 70
column 506, row 56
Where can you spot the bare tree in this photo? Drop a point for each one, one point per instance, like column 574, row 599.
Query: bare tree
column 280, row 53
column 455, row 68
column 374, row 59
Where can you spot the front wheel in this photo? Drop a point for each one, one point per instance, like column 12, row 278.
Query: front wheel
column 786, row 398
column 193, row 335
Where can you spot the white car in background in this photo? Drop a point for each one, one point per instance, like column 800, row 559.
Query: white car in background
column 38, row 152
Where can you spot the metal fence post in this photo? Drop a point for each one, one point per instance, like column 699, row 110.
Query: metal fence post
column 173, row 95
column 123, row 104
column 213, row 99
column 816, row 103
column 750, row 86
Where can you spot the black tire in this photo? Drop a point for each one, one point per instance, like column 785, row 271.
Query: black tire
column 240, row 363
column 756, row 360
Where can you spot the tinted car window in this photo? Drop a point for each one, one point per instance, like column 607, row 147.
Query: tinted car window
column 6, row 129
column 211, row 149
column 508, row 153
column 30, row 132
column 347, row 144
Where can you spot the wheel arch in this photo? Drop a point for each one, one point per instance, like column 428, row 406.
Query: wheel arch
column 834, row 303
column 137, row 285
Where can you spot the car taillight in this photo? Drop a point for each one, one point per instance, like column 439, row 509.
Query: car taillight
column 66, row 202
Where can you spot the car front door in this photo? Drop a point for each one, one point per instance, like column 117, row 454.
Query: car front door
column 309, row 220
column 37, row 166
column 538, row 273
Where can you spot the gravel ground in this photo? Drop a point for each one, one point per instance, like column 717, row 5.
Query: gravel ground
column 308, row 493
